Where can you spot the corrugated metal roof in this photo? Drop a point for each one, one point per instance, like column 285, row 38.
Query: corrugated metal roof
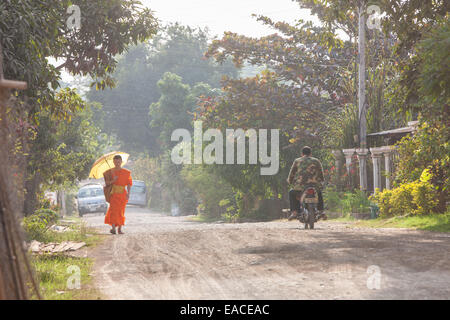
column 403, row 130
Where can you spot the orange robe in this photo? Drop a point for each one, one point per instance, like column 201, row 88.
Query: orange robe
column 116, row 211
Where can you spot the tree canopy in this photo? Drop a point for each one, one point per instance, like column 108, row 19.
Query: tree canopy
column 177, row 49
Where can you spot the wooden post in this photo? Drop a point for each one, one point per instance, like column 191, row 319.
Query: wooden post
column 15, row 270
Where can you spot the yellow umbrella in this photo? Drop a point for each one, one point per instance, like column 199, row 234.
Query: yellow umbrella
column 105, row 162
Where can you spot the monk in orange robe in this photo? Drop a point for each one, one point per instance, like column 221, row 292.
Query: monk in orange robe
column 121, row 183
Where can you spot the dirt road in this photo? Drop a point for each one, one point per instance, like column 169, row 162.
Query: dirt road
column 163, row 257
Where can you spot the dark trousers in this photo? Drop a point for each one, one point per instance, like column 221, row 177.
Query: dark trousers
column 296, row 205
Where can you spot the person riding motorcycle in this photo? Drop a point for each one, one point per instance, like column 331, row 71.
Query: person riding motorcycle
column 306, row 171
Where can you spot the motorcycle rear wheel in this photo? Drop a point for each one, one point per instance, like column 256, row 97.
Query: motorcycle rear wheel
column 311, row 216
column 306, row 219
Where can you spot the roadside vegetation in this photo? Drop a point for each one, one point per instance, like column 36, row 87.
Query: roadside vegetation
column 53, row 276
column 430, row 222
column 53, row 271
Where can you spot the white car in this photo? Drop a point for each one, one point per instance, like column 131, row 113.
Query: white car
column 90, row 198
column 138, row 194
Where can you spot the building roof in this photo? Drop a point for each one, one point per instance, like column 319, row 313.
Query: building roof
column 398, row 131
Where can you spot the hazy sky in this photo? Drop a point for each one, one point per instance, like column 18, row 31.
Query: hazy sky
column 228, row 15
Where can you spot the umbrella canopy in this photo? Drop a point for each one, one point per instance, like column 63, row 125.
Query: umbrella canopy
column 105, row 162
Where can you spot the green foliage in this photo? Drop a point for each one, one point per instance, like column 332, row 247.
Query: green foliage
column 176, row 49
column 383, row 199
column 215, row 194
column 413, row 198
column 346, row 202
column 307, row 81
column 407, row 63
column 342, row 126
column 437, row 222
column 401, row 200
column 51, row 274
column 428, row 148
column 332, row 198
column 31, row 31
column 38, row 223
column 172, row 111
column 63, row 151
column 175, row 107
column 434, row 79
column 168, row 187
column 46, row 203
column 356, row 202
column 425, row 77
column 301, row 82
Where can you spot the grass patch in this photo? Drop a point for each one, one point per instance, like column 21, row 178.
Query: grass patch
column 78, row 231
column 53, row 271
column 431, row 222
column 56, row 279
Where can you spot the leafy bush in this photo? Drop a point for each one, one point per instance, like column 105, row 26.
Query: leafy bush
column 332, row 198
column 37, row 224
column 425, row 194
column 383, row 199
column 414, row 198
column 402, row 199
column 346, row 202
column 355, row 202
column 212, row 191
column 429, row 148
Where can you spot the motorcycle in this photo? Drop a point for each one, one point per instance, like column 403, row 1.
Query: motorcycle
column 309, row 200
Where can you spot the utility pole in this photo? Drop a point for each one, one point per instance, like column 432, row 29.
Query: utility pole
column 362, row 151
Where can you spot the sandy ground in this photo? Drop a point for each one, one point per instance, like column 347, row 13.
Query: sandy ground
column 164, row 257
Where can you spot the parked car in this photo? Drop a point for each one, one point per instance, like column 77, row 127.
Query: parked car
column 90, row 198
column 138, row 194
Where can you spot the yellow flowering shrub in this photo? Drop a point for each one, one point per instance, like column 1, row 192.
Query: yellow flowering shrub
column 417, row 197
column 402, row 200
column 425, row 195
column 383, row 199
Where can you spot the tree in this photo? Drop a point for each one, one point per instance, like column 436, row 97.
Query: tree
column 175, row 107
column 62, row 152
column 413, row 71
column 174, row 110
column 428, row 149
column 177, row 49
column 428, row 73
column 306, row 76
column 404, row 25
column 32, row 31
column 426, row 79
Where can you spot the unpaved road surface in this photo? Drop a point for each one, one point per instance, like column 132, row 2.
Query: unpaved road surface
column 164, row 257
